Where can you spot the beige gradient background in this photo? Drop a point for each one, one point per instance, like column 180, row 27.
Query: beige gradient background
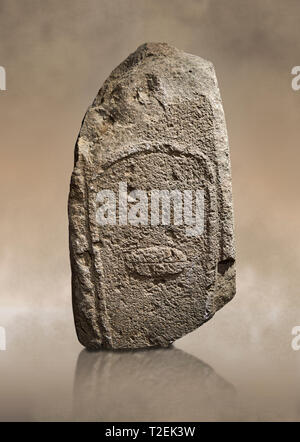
column 57, row 54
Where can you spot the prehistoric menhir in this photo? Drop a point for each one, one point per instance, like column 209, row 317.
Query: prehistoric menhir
column 150, row 204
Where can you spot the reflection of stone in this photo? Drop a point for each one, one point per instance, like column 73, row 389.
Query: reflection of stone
column 156, row 125
column 150, row 385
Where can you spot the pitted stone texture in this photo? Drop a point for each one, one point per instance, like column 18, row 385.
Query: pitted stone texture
column 157, row 123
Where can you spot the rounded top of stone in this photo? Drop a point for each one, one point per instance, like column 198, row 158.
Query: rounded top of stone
column 157, row 48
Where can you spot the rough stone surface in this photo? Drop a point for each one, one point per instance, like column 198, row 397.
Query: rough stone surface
column 157, row 123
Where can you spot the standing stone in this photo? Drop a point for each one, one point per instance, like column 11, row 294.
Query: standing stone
column 144, row 275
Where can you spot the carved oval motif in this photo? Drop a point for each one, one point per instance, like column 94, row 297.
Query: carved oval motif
column 156, row 261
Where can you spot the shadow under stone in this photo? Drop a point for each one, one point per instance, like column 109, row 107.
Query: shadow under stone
column 150, row 385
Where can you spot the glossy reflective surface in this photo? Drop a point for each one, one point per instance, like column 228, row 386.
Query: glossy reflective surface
column 46, row 375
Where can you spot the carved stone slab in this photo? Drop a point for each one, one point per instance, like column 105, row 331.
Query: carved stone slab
column 150, row 204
